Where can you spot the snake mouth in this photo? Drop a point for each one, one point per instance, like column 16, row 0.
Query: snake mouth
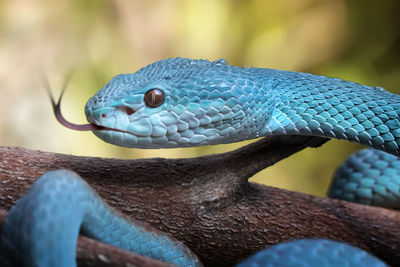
column 91, row 126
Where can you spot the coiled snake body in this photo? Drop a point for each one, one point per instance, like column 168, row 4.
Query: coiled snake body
column 183, row 103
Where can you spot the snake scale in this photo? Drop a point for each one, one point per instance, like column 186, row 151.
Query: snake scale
column 184, row 103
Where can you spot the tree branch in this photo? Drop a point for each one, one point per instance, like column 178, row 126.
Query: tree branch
column 208, row 203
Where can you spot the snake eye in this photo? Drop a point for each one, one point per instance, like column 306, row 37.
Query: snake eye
column 154, row 98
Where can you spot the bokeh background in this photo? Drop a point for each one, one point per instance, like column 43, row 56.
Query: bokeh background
column 354, row 40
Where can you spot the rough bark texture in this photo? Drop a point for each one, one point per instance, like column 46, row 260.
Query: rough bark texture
column 208, row 203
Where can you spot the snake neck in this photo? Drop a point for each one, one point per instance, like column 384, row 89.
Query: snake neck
column 329, row 107
column 275, row 102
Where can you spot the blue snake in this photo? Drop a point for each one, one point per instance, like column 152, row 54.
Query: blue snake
column 184, row 103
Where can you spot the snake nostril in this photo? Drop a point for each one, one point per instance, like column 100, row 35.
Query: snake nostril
column 104, row 115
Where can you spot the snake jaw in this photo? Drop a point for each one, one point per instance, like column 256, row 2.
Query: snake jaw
column 122, row 125
column 105, row 118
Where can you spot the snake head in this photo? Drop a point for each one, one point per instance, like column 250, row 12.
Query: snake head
column 174, row 103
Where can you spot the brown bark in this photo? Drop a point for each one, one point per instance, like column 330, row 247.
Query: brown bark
column 207, row 202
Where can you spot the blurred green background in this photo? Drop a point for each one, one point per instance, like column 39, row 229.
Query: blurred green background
column 354, row 40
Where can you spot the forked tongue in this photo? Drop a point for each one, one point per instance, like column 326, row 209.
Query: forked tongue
column 57, row 109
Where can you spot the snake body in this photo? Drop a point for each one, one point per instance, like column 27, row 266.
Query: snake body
column 42, row 228
column 312, row 253
column 370, row 177
column 185, row 102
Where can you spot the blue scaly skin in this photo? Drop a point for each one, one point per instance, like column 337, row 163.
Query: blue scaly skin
column 370, row 177
column 42, row 228
column 312, row 253
column 211, row 103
